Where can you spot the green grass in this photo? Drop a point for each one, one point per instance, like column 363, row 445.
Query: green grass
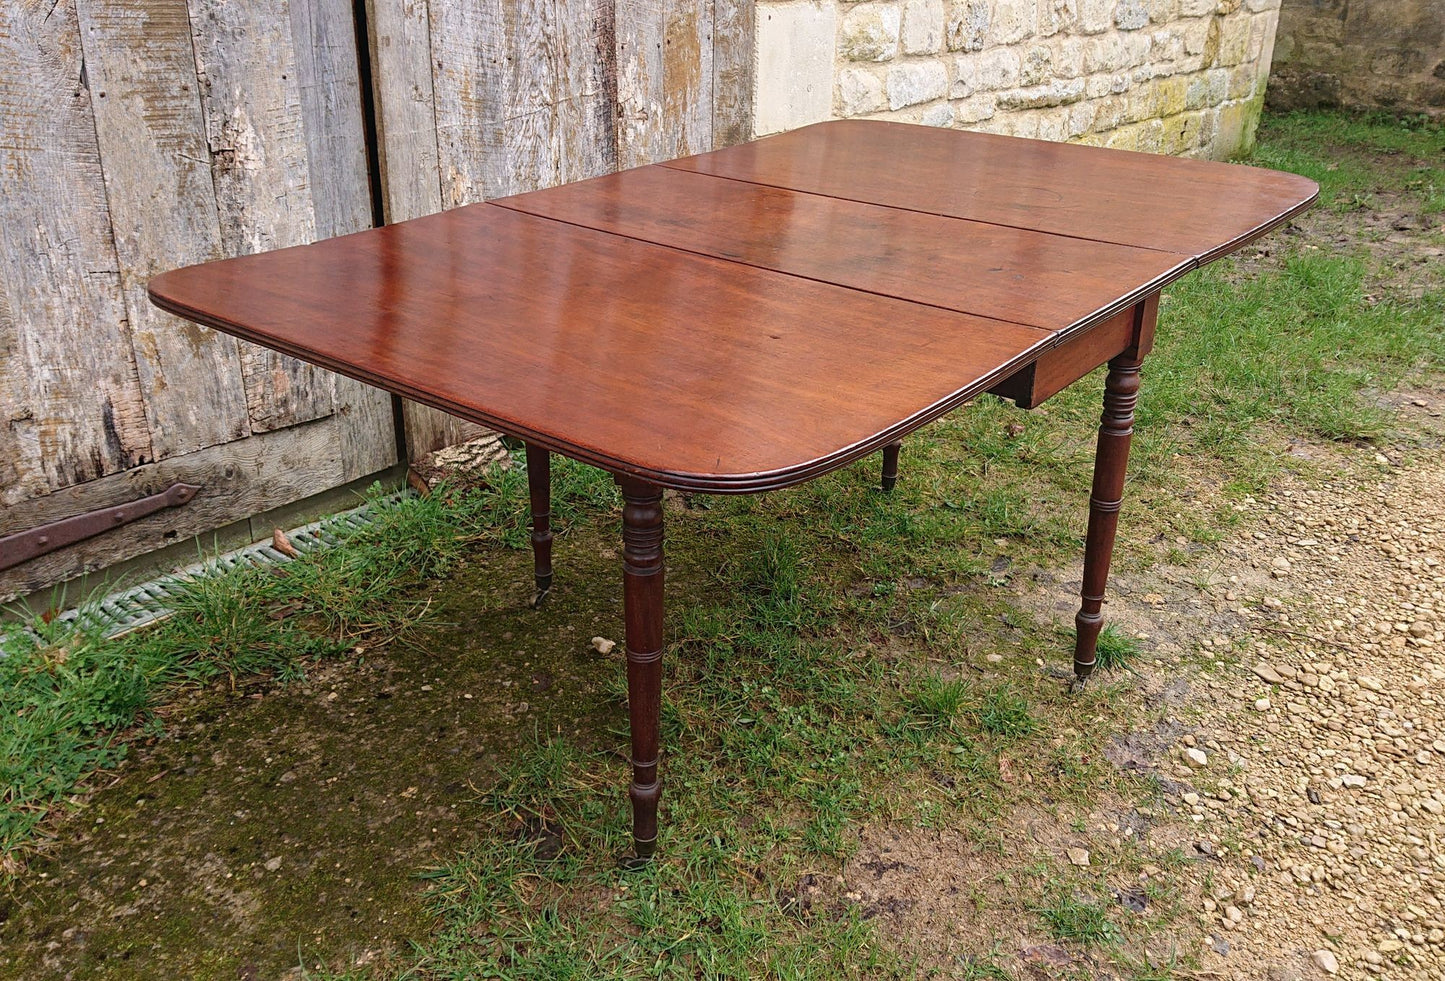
column 1005, row 714
column 70, row 699
column 981, row 969
column 1115, row 652
column 1342, row 153
column 1078, row 920
column 825, row 666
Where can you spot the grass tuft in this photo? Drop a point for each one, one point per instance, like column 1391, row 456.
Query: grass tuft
column 1115, row 651
column 1005, row 713
column 981, row 969
column 934, row 702
column 1081, row 921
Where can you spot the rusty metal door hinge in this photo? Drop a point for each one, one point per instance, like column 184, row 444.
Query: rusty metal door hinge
column 23, row 546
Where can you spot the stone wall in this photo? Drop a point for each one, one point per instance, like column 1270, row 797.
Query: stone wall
column 1385, row 54
column 1168, row 76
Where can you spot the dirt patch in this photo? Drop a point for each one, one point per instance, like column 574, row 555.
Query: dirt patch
column 1307, row 835
column 944, row 893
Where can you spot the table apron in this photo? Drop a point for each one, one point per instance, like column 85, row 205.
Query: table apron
column 1060, row 366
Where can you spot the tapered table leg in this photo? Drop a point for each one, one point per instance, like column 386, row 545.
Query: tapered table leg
column 1121, row 393
column 642, row 599
column 539, row 486
column 890, row 465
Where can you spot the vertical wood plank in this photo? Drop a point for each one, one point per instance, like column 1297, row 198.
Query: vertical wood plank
column 534, row 63
column 640, row 121
column 687, row 77
column 585, row 90
column 734, row 63
column 554, row 130
column 664, row 80
column 246, row 65
column 471, row 78
column 329, row 81
column 163, row 209
column 401, row 60
column 468, row 71
column 69, row 391
column 328, row 78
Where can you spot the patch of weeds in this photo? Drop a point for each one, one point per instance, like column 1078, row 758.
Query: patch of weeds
column 1079, row 769
column 1350, row 155
column 1145, row 970
column 1303, row 345
column 71, row 698
column 510, row 912
column 984, row 968
column 1005, row 713
column 1078, row 920
column 1115, row 651
column 934, row 703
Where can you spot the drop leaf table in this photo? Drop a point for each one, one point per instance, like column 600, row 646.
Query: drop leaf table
column 752, row 318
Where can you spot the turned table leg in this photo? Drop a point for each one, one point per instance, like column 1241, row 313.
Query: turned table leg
column 539, row 486
column 1121, row 392
column 642, row 601
column 890, row 465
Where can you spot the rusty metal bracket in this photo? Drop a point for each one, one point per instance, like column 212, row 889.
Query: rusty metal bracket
column 23, row 546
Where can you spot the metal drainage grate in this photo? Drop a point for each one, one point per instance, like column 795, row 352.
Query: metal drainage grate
column 137, row 606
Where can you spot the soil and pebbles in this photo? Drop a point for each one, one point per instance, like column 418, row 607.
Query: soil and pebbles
column 1327, row 737
column 1295, row 679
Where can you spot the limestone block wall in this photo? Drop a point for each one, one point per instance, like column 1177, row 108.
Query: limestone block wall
column 1167, row 76
column 1384, row 54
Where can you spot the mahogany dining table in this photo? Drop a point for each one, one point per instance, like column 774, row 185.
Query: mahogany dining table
column 751, row 318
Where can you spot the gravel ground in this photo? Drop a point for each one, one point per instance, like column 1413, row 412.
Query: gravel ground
column 1318, row 758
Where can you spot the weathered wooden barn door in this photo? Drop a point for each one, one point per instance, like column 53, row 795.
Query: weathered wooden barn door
column 137, row 135
column 484, row 98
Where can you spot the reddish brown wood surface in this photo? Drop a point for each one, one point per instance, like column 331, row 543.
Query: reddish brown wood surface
column 1111, row 461
column 1028, row 277
column 783, row 308
column 1197, row 208
column 642, row 578
column 1061, row 366
column 539, row 490
column 690, row 371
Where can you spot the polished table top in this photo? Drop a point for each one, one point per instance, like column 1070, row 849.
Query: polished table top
column 752, row 317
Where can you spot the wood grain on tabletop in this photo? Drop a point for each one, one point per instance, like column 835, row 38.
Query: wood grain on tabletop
column 1028, row 277
column 1197, row 208
column 754, row 316
column 710, row 374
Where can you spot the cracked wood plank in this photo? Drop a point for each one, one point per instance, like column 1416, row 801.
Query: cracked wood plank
column 664, row 80
column 250, row 96
column 585, row 89
column 640, row 122
column 405, row 117
column 471, row 81
column 163, row 209
column 687, row 77
column 70, row 400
